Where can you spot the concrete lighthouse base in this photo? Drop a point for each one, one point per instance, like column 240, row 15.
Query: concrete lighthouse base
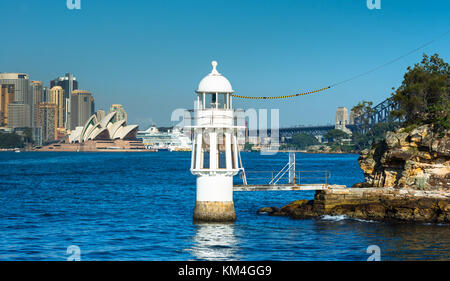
column 214, row 211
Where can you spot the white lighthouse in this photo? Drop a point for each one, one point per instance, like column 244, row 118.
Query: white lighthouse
column 215, row 149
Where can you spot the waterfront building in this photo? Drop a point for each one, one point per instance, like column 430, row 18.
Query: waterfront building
column 6, row 97
column 48, row 120
column 82, row 108
column 103, row 129
column 36, row 92
column 100, row 135
column 215, row 150
column 37, row 133
column 69, row 83
column 121, row 114
column 19, row 84
column 18, row 115
column 57, row 97
column 60, row 133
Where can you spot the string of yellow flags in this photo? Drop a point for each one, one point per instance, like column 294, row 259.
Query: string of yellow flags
column 281, row 97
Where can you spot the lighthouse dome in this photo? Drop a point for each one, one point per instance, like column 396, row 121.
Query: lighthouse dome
column 214, row 82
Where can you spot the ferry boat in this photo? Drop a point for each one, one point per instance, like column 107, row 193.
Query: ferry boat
column 172, row 140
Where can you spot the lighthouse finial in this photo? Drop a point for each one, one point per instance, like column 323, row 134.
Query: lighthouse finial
column 214, row 65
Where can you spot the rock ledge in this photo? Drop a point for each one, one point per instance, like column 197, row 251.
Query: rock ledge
column 380, row 204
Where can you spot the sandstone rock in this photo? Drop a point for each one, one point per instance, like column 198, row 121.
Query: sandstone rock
column 268, row 210
column 419, row 159
column 383, row 204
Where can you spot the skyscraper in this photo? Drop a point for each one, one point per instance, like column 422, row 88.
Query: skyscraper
column 45, row 94
column 100, row 114
column 82, row 107
column 6, row 97
column 36, row 92
column 69, row 83
column 121, row 114
column 20, row 83
column 48, row 118
column 18, row 115
column 57, row 97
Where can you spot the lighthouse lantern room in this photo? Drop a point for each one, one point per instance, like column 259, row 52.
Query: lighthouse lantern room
column 215, row 149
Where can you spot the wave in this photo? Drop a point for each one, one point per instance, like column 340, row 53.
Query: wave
column 344, row 217
column 334, row 218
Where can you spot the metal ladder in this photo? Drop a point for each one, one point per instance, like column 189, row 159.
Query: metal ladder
column 289, row 167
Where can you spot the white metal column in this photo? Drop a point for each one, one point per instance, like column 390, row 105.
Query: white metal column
column 291, row 167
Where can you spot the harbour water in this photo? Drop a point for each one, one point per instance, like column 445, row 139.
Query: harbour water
column 138, row 206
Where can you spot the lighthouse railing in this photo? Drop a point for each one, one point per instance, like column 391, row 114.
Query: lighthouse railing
column 311, row 177
column 280, row 174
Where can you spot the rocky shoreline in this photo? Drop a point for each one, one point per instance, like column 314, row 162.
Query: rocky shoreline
column 378, row 204
column 418, row 159
column 407, row 179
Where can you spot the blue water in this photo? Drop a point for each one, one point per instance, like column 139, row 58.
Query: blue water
column 138, row 206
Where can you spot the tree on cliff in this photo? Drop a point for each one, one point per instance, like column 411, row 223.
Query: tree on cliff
column 363, row 110
column 424, row 94
column 374, row 135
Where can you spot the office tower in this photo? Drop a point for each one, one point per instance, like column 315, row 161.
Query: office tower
column 36, row 92
column 6, row 97
column 121, row 114
column 37, row 132
column 18, row 115
column 82, row 107
column 22, row 90
column 100, row 114
column 69, row 84
column 48, row 118
column 45, row 94
column 57, row 97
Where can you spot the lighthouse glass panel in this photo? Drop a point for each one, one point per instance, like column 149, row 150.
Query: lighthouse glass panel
column 222, row 103
column 205, row 151
column 200, row 101
column 221, row 151
column 211, row 100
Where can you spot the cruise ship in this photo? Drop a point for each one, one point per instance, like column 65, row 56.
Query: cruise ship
column 172, row 140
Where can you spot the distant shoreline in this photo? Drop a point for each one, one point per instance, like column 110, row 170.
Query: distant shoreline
column 307, row 152
column 146, row 151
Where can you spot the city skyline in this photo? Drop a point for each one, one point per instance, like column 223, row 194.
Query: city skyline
column 151, row 59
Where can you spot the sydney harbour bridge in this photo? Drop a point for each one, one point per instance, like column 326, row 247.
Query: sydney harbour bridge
column 361, row 124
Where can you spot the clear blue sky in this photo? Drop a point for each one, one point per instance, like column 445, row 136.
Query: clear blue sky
column 150, row 55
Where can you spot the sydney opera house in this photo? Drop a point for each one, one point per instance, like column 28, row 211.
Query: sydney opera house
column 104, row 129
column 100, row 135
